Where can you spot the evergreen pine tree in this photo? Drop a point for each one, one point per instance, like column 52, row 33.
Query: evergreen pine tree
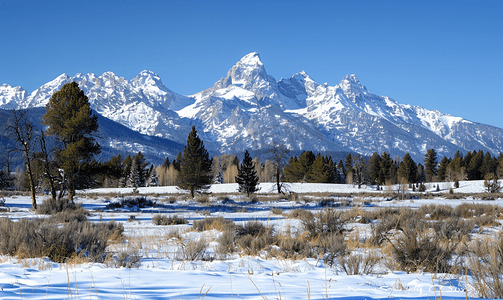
column 133, row 179
column 247, row 177
column 176, row 161
column 319, row 171
column 430, row 165
column 375, row 169
column 166, row 163
column 290, row 170
column 143, row 172
column 195, row 165
column 489, row 165
column 408, row 169
column 70, row 119
column 442, row 168
column 341, row 171
column 473, row 168
column 153, row 179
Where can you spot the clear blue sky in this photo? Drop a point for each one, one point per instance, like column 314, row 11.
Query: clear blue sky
column 443, row 55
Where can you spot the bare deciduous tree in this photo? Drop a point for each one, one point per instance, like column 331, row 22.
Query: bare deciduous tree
column 21, row 130
column 279, row 155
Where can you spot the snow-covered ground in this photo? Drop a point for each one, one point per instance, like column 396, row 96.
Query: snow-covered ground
column 161, row 276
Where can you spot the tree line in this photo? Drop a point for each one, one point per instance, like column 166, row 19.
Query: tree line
column 383, row 170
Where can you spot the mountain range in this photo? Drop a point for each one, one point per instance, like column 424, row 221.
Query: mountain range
column 248, row 109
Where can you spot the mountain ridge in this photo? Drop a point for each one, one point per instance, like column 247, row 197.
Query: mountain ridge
column 249, row 109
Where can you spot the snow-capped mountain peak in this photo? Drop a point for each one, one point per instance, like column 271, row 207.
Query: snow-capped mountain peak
column 248, row 108
column 11, row 96
column 249, row 73
column 251, row 59
column 146, row 77
column 351, row 85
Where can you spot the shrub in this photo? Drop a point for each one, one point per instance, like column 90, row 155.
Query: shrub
column 428, row 246
column 437, row 211
column 41, row 237
column 277, row 211
column 486, row 266
column 254, row 228
column 294, row 247
column 125, row 259
column 324, row 222
column 139, row 202
column 171, row 220
column 359, row 263
column 254, row 236
column 203, row 199
column 390, row 221
column 330, row 246
column 470, row 210
column 225, row 244
column 192, row 250
column 218, row 223
column 299, row 213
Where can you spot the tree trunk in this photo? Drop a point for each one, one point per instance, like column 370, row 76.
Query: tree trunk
column 32, row 180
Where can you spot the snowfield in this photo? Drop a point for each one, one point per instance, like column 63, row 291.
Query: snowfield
column 162, row 276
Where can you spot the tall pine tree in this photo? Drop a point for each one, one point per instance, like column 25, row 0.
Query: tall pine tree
column 70, row 119
column 247, row 176
column 430, row 165
column 195, row 165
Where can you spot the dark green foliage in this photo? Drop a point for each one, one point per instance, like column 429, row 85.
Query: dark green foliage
column 489, row 165
column 247, row 177
column 126, row 170
column 442, row 168
column 6, row 181
column 195, row 165
column 408, row 169
column 70, row 118
column 313, row 169
column 319, row 172
column 341, row 170
column 166, row 163
column 388, row 171
column 177, row 160
column 296, row 170
column 473, row 168
column 430, row 165
column 375, row 169
column 421, row 175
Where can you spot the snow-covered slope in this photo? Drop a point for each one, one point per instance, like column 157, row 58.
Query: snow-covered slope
column 249, row 109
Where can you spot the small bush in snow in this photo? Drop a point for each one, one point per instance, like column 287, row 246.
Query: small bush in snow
column 359, row 263
column 125, row 259
column 44, row 237
column 138, row 202
column 218, row 223
column 171, row 220
column 486, row 267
